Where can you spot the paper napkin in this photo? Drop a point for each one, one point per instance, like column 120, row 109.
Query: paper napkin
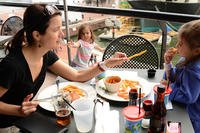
column 106, row 121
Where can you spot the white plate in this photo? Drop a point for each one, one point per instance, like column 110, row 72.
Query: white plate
column 145, row 88
column 47, row 92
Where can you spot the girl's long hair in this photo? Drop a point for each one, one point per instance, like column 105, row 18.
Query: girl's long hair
column 80, row 31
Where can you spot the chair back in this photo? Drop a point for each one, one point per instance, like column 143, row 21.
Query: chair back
column 132, row 44
column 11, row 26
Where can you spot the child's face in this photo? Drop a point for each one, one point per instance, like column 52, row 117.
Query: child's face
column 183, row 49
column 86, row 35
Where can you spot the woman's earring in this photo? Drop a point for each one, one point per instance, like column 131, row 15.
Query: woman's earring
column 39, row 45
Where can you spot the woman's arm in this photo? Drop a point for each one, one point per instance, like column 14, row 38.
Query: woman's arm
column 64, row 70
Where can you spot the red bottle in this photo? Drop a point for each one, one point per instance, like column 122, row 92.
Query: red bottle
column 158, row 119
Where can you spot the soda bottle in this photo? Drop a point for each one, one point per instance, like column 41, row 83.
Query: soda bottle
column 158, row 119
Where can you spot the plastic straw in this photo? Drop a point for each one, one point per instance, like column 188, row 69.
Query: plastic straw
column 139, row 99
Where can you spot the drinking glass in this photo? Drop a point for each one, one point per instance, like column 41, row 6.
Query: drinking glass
column 62, row 110
column 83, row 114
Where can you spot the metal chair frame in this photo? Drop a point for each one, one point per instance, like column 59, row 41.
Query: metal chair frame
column 11, row 25
column 132, row 44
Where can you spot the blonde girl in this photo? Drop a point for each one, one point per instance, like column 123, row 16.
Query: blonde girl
column 85, row 46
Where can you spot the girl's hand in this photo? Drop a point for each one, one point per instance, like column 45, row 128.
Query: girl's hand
column 117, row 59
column 164, row 82
column 28, row 106
column 71, row 44
column 170, row 53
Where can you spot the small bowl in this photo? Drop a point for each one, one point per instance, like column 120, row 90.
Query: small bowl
column 112, row 83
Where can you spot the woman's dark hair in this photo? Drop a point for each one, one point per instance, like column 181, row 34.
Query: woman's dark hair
column 36, row 18
column 80, row 31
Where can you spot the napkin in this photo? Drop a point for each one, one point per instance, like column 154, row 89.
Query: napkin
column 98, row 118
column 107, row 121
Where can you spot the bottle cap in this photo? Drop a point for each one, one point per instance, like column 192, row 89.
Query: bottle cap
column 161, row 88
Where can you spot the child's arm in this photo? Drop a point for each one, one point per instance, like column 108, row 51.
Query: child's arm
column 72, row 44
column 186, row 87
column 96, row 46
column 169, row 70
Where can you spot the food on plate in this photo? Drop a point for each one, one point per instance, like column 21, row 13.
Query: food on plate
column 113, row 79
column 112, row 83
column 126, row 86
column 74, row 92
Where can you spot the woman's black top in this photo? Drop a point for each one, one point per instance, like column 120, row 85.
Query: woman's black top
column 15, row 76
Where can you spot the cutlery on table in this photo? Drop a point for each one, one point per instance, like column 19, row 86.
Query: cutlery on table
column 48, row 98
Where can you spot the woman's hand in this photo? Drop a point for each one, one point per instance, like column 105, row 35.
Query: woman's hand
column 170, row 53
column 28, row 106
column 117, row 59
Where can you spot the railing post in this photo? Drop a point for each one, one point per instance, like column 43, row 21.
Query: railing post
column 67, row 30
column 164, row 42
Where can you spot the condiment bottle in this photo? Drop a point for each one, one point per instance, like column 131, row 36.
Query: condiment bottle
column 147, row 106
column 133, row 95
column 158, row 119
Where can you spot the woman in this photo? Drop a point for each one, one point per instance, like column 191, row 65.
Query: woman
column 23, row 70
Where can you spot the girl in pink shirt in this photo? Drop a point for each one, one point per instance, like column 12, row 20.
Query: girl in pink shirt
column 85, row 46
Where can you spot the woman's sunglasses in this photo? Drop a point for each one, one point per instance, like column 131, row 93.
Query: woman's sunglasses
column 50, row 10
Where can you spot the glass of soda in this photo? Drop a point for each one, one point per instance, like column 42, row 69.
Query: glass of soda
column 62, row 110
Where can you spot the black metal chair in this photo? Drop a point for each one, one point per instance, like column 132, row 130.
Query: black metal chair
column 11, row 26
column 132, row 44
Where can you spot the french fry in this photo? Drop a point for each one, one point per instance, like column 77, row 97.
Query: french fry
column 138, row 54
column 126, row 85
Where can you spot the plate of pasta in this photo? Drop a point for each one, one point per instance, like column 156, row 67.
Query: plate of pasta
column 76, row 90
column 122, row 94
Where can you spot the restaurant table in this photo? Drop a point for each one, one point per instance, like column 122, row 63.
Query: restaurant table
column 43, row 120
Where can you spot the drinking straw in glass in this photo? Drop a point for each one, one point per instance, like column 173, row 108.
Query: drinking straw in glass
column 139, row 99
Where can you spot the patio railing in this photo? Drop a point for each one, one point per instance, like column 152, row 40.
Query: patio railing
column 161, row 17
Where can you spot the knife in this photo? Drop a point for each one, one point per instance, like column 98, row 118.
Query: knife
column 48, row 98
